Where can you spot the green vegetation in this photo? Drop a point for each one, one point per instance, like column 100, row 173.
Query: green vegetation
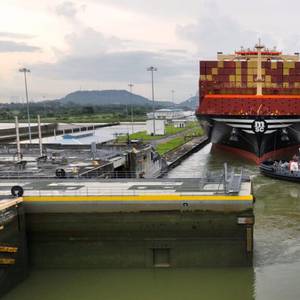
column 192, row 130
column 54, row 111
column 94, row 118
column 163, row 148
column 185, row 134
column 170, row 129
column 142, row 135
column 172, row 144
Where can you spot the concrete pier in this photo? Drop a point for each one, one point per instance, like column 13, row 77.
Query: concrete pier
column 138, row 223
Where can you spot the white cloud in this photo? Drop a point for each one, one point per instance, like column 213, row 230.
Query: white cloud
column 93, row 56
column 88, row 41
column 15, row 35
column 10, row 46
column 67, row 9
column 216, row 31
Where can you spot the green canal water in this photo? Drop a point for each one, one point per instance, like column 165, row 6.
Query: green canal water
column 275, row 275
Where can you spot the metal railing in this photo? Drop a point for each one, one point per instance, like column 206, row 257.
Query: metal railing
column 113, row 192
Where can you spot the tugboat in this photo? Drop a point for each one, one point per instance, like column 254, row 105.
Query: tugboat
column 283, row 169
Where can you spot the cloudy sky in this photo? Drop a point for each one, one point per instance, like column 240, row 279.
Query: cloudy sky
column 106, row 44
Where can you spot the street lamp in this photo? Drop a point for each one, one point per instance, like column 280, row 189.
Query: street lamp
column 153, row 69
column 130, row 87
column 25, row 71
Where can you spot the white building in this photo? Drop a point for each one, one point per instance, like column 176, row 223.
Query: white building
column 189, row 113
column 166, row 113
column 159, row 127
column 179, row 123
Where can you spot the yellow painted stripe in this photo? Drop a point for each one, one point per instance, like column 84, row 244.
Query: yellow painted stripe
column 150, row 198
column 7, row 261
column 8, row 249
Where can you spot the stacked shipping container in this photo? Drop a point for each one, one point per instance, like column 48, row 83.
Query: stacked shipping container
column 238, row 77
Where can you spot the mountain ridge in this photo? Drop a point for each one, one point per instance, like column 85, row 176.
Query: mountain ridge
column 109, row 97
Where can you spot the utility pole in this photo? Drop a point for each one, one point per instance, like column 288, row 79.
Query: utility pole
column 40, row 135
column 18, row 139
column 130, row 87
column 153, row 69
column 25, row 71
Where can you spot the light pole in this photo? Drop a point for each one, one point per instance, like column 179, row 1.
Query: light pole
column 153, row 69
column 25, row 71
column 130, row 88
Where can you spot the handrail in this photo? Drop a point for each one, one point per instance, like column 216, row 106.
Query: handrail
column 111, row 193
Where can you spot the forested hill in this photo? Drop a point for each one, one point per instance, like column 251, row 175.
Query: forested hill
column 109, row 97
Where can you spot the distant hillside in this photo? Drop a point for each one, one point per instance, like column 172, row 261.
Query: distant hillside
column 191, row 103
column 109, row 97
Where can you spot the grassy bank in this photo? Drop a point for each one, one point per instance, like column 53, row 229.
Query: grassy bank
column 172, row 144
column 183, row 135
column 192, row 129
column 142, row 135
column 163, row 148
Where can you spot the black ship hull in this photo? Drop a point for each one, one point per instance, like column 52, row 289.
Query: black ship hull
column 254, row 137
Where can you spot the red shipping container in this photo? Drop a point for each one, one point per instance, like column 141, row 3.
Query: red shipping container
column 211, row 64
column 245, row 72
column 229, row 64
column 291, row 78
column 221, row 72
column 202, row 64
column 268, row 64
column 244, row 64
column 276, row 72
column 222, row 78
column 267, row 71
column 277, row 79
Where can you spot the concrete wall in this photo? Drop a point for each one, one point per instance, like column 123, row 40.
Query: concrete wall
column 139, row 240
column 9, row 134
column 12, row 233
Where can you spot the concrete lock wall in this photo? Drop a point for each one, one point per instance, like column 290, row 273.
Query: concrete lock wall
column 139, row 240
column 13, row 248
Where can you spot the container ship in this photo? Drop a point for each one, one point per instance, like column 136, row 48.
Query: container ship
column 249, row 102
